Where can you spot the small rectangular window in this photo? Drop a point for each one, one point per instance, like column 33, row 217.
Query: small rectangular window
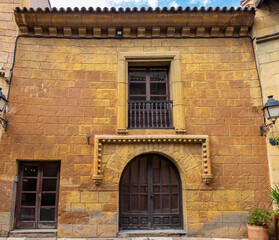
column 149, row 102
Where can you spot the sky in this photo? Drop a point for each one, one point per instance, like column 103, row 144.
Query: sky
column 144, row 3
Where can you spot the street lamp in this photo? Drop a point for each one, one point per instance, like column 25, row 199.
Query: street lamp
column 271, row 111
column 3, row 104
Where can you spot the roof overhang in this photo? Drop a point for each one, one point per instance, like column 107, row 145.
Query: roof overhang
column 134, row 23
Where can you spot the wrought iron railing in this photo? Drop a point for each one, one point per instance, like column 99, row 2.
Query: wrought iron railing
column 150, row 114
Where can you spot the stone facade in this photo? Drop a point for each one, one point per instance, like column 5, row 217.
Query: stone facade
column 266, row 45
column 66, row 89
column 8, row 34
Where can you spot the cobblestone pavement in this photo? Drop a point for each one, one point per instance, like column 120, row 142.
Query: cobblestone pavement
column 134, row 238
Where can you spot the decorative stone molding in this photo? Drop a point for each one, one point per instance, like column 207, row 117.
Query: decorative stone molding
column 203, row 140
column 142, row 23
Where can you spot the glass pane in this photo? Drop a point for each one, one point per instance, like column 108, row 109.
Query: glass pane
column 49, row 185
column 29, row 184
column 137, row 89
column 30, row 171
column 27, row 214
column 50, row 170
column 47, row 214
column 133, row 98
column 48, row 199
column 137, row 75
column 158, row 89
column 28, row 199
column 157, row 75
column 158, row 98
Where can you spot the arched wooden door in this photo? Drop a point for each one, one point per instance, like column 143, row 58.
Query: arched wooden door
column 150, row 194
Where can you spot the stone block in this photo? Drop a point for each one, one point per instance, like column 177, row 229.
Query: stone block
column 69, row 196
column 84, row 231
column 65, row 230
column 103, row 197
column 106, row 231
column 109, row 207
column 89, row 197
column 4, row 217
column 77, row 207
column 73, row 218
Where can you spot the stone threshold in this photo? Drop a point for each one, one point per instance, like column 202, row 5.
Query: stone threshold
column 165, row 232
column 34, row 231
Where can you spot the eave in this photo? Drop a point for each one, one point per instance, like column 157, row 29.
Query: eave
column 134, row 23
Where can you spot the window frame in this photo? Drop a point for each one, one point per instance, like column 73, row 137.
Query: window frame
column 168, row 58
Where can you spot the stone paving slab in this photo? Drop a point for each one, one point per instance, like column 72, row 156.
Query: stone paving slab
column 133, row 238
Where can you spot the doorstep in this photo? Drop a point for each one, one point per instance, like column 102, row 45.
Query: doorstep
column 143, row 233
column 34, row 233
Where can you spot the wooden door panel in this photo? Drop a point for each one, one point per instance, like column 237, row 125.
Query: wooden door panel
column 150, row 194
column 37, row 195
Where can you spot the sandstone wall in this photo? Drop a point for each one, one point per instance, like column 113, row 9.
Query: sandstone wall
column 8, row 34
column 64, row 90
column 267, row 54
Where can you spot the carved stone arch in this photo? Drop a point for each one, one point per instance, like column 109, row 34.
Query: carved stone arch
column 189, row 153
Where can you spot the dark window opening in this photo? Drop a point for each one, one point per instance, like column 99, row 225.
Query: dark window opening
column 149, row 104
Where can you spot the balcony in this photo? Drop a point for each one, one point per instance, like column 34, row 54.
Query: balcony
column 156, row 114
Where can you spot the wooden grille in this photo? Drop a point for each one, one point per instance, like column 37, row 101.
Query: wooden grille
column 150, row 194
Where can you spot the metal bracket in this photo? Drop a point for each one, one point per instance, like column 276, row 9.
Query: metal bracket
column 4, row 123
column 266, row 127
column 6, row 73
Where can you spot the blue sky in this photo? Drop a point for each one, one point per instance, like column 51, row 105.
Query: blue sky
column 144, row 3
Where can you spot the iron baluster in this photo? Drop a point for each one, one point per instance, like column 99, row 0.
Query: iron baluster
column 130, row 104
column 152, row 121
column 143, row 113
column 148, row 109
column 139, row 116
column 156, row 111
column 165, row 113
column 161, row 121
column 135, row 115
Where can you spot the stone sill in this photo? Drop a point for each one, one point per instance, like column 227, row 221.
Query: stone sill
column 165, row 232
column 34, row 231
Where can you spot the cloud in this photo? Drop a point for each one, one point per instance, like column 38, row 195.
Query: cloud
column 104, row 3
column 142, row 3
column 200, row 2
column 173, row 4
column 153, row 3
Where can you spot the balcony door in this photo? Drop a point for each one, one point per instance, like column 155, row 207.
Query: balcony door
column 37, row 195
column 149, row 102
column 150, row 194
